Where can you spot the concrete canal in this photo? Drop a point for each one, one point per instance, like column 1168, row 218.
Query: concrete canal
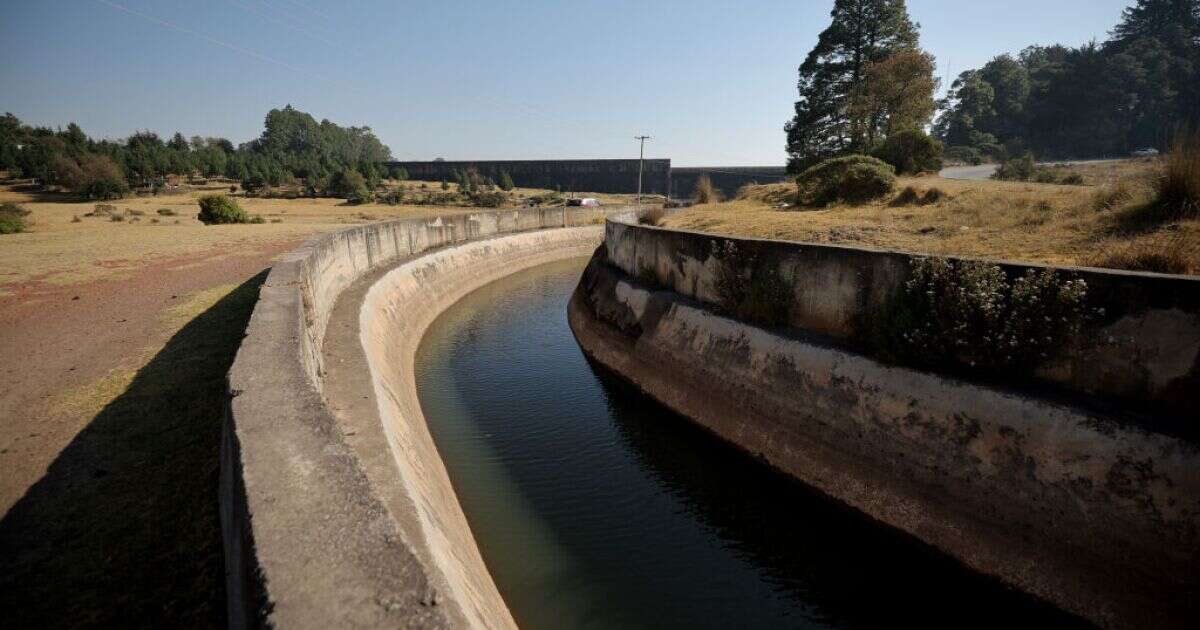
column 595, row 507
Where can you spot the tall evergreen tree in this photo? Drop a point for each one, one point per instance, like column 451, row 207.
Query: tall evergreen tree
column 861, row 32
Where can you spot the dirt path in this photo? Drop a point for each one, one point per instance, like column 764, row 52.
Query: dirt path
column 110, row 413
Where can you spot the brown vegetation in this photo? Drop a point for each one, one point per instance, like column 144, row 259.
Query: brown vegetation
column 1024, row 221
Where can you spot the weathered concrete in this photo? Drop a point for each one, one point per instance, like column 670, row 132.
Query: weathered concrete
column 317, row 532
column 1143, row 352
column 1065, row 503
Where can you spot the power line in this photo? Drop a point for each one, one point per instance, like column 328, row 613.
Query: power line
column 211, row 40
column 285, row 23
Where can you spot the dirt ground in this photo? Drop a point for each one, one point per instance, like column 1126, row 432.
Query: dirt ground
column 115, row 338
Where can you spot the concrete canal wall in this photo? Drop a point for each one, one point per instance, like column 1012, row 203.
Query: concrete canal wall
column 1081, row 486
column 318, row 532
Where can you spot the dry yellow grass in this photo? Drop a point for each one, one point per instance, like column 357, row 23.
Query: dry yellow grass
column 59, row 250
column 1066, row 225
column 64, row 246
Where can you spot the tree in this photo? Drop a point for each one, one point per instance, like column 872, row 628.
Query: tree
column 1135, row 90
column 911, row 151
column 861, row 32
column 352, row 186
column 896, row 95
column 506, row 182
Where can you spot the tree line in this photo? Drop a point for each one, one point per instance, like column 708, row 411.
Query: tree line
column 867, row 87
column 293, row 148
column 1136, row 90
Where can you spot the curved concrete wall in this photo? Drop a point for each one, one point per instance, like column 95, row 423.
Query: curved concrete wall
column 1145, row 351
column 315, row 537
column 1070, row 504
column 394, row 316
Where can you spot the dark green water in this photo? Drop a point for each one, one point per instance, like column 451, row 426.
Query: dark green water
column 596, row 507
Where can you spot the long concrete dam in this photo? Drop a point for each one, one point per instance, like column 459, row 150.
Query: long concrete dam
column 338, row 508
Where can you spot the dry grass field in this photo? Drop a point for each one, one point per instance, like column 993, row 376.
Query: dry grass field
column 1090, row 225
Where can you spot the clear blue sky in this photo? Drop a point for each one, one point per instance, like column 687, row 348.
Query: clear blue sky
column 712, row 82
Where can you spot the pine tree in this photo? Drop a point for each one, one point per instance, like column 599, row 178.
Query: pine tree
column 1158, row 18
column 861, row 32
column 506, row 182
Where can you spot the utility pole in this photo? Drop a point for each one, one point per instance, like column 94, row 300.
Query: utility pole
column 641, row 158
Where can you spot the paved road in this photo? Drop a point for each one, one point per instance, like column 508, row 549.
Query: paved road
column 984, row 171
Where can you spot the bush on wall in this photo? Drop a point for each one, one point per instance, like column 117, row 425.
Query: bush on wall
column 970, row 314
column 750, row 287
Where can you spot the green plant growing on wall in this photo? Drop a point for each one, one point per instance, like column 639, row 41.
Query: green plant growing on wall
column 749, row 287
column 970, row 314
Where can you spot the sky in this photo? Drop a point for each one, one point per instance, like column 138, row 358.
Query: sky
column 711, row 82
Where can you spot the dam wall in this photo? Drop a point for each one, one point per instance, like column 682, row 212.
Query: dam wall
column 727, row 179
column 318, row 533
column 601, row 176
column 1081, row 487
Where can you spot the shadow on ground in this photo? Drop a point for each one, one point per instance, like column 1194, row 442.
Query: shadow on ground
column 124, row 530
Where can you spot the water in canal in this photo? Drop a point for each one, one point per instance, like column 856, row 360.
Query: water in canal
column 594, row 507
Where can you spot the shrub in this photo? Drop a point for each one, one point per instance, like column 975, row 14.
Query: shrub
column 1072, row 179
column 1044, row 176
column 489, row 199
column 907, row 197
column 1113, row 196
column 970, row 314
column 763, row 297
column 652, row 216
column 232, row 188
column 506, row 182
column 1178, row 255
column 966, row 155
column 92, row 176
column 116, row 218
column 851, row 179
column 933, row 195
column 103, row 209
column 12, row 218
column 166, row 212
column 773, row 194
column 1178, row 189
column 393, row 197
column 911, row 197
column 257, row 219
column 216, row 209
column 705, row 191
column 1175, row 190
column 911, row 151
column 547, row 199
column 135, row 213
column 352, row 186
column 1016, row 169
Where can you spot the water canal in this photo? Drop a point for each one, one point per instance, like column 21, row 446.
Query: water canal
column 594, row 507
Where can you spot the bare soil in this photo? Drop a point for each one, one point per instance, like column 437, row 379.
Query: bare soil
column 112, row 411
